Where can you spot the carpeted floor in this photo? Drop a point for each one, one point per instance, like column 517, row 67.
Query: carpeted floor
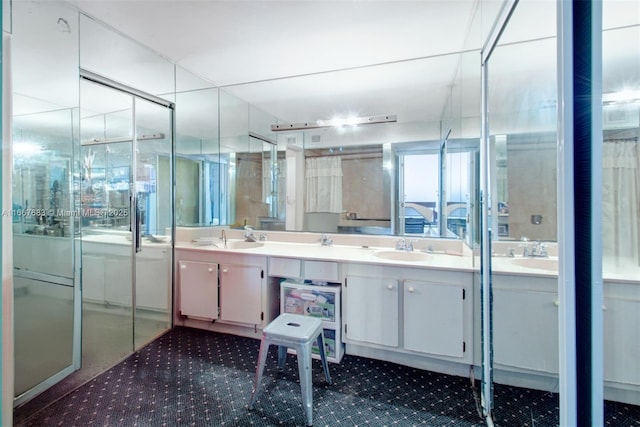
column 190, row 377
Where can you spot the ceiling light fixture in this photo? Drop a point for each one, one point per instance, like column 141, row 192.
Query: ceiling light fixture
column 336, row 122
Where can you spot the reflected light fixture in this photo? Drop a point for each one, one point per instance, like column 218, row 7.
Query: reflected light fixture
column 335, row 122
column 621, row 97
column 26, row 148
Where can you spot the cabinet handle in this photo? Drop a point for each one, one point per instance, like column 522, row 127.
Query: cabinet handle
column 183, row 266
column 210, row 270
column 224, row 270
column 411, row 290
column 389, row 286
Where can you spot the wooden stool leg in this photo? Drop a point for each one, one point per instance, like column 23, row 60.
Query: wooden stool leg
column 323, row 357
column 262, row 359
column 304, row 370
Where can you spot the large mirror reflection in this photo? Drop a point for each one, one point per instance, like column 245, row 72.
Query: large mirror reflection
column 284, row 154
column 353, row 151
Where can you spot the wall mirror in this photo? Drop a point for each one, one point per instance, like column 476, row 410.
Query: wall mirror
column 404, row 175
column 522, row 133
column 523, row 123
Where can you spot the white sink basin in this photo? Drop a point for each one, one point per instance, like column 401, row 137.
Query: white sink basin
column 240, row 244
column 402, row 256
column 548, row 264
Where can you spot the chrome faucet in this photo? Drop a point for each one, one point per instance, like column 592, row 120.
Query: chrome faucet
column 537, row 250
column 248, row 234
column 404, row 245
column 325, row 240
column 223, row 237
column 525, row 251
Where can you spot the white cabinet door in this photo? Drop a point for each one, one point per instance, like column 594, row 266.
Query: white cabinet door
column 621, row 318
column 117, row 280
column 525, row 329
column 241, row 294
column 93, row 278
column 198, row 289
column 434, row 318
column 371, row 310
column 152, row 283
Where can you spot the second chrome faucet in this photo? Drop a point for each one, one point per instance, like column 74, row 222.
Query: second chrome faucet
column 404, row 245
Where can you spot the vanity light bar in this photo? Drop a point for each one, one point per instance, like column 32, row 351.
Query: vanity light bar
column 335, row 123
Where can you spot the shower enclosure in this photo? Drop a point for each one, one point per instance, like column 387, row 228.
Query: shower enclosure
column 92, row 196
column 43, row 248
column 92, row 221
column 125, row 196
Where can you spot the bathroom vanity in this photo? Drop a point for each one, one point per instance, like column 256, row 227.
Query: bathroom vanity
column 106, row 272
column 418, row 308
column 391, row 300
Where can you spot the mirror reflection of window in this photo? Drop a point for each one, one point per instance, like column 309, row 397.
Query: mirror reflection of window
column 419, row 177
column 458, row 193
column 433, row 201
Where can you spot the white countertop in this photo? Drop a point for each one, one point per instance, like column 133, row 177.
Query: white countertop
column 527, row 266
column 123, row 239
column 338, row 253
column 538, row 267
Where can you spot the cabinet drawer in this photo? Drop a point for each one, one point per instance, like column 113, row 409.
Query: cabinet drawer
column 285, row 267
column 321, row 270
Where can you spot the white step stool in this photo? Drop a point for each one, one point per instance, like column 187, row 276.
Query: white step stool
column 297, row 332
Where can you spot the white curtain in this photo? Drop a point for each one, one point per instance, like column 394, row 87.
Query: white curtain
column 323, row 191
column 621, row 202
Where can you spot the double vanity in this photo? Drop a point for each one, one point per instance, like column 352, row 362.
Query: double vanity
column 418, row 308
column 412, row 307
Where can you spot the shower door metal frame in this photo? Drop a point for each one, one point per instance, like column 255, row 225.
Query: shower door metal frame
column 97, row 79
column 486, row 308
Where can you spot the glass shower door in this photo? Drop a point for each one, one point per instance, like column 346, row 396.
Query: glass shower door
column 126, row 206
column 153, row 178
column 106, row 154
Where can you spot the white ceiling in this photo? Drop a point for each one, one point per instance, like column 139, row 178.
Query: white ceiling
column 315, row 49
column 230, row 42
column 295, row 49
